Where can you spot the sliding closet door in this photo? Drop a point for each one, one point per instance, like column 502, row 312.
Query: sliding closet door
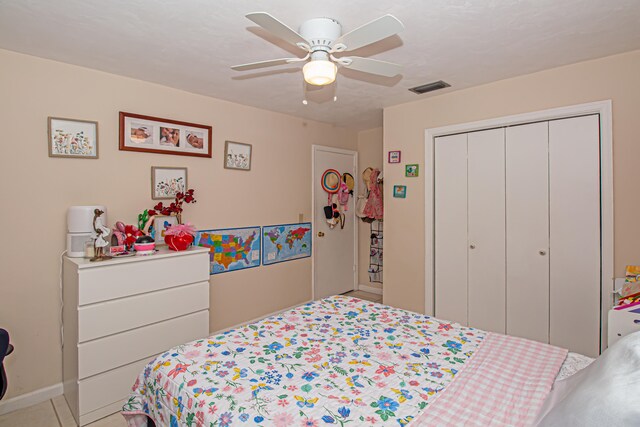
column 450, row 218
column 527, row 197
column 486, row 205
column 574, row 190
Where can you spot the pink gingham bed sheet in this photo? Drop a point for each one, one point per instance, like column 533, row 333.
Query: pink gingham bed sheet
column 505, row 384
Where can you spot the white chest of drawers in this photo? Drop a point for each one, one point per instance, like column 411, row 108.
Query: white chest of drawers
column 623, row 322
column 119, row 314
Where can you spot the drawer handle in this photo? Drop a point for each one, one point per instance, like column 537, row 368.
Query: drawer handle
column 636, row 320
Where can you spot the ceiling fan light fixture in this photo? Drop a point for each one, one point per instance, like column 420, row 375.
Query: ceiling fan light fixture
column 319, row 72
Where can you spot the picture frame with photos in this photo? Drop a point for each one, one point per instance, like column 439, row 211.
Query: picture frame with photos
column 149, row 134
column 160, row 225
column 237, row 155
column 72, row 138
column 167, row 181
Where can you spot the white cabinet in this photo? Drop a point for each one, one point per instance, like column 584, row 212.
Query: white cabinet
column 517, row 231
column 119, row 314
column 623, row 322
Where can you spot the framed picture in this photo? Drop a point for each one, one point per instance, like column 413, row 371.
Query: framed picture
column 155, row 135
column 160, row 225
column 73, row 138
column 166, row 182
column 237, row 156
column 411, row 171
column 394, row 156
column 400, row 191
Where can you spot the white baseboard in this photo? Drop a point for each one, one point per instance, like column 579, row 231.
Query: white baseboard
column 29, row 399
column 257, row 318
column 371, row 289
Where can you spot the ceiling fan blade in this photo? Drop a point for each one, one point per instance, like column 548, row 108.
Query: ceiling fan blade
column 371, row 32
column 277, row 28
column 262, row 64
column 371, row 66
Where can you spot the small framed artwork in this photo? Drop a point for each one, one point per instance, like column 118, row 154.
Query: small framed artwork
column 155, row 135
column 411, row 171
column 160, row 225
column 166, row 182
column 400, row 191
column 394, row 157
column 237, row 156
column 73, row 138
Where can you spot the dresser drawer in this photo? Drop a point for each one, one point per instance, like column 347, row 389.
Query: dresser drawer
column 117, row 350
column 124, row 279
column 110, row 317
column 109, row 387
column 621, row 323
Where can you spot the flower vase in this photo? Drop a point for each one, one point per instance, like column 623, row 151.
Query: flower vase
column 178, row 243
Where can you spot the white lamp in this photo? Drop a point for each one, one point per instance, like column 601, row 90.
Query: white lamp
column 319, row 72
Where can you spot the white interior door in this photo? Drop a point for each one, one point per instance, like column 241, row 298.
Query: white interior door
column 450, row 225
column 334, row 250
column 574, row 199
column 527, row 218
column 486, row 205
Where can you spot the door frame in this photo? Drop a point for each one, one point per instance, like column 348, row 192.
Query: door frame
column 314, row 149
column 603, row 108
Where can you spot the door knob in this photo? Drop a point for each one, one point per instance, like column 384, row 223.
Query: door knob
column 542, row 252
column 472, row 246
column 320, row 234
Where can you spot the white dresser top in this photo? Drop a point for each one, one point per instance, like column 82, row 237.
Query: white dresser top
column 163, row 252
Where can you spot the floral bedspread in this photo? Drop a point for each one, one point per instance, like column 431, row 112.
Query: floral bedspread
column 336, row 361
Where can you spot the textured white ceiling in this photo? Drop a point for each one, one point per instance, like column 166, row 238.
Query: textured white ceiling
column 190, row 44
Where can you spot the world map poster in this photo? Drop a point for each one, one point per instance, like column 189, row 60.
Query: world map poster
column 285, row 242
column 231, row 249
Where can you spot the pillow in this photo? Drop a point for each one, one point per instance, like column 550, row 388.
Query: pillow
column 604, row 393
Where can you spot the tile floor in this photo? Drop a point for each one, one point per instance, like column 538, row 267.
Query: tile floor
column 365, row 295
column 56, row 413
column 53, row 413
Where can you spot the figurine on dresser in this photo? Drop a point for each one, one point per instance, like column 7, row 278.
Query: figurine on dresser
column 102, row 232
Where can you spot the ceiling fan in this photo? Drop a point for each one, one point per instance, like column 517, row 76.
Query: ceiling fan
column 321, row 38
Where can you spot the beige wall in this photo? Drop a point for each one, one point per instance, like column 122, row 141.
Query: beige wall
column 616, row 78
column 37, row 191
column 369, row 155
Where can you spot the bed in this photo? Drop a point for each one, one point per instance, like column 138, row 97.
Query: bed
column 343, row 360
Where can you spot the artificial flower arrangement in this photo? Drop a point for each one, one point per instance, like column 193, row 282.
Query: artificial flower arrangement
column 174, row 208
column 177, row 237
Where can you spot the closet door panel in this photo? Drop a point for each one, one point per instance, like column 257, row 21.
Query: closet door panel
column 450, row 218
column 527, row 221
column 486, row 204
column 574, row 199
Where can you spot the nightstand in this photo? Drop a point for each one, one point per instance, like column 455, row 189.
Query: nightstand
column 623, row 322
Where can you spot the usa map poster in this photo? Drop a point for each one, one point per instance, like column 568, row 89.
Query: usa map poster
column 285, row 242
column 231, row 249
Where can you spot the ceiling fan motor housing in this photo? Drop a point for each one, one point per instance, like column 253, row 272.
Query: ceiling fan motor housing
column 321, row 33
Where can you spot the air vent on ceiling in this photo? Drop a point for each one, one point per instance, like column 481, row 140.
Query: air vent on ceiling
column 429, row 87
